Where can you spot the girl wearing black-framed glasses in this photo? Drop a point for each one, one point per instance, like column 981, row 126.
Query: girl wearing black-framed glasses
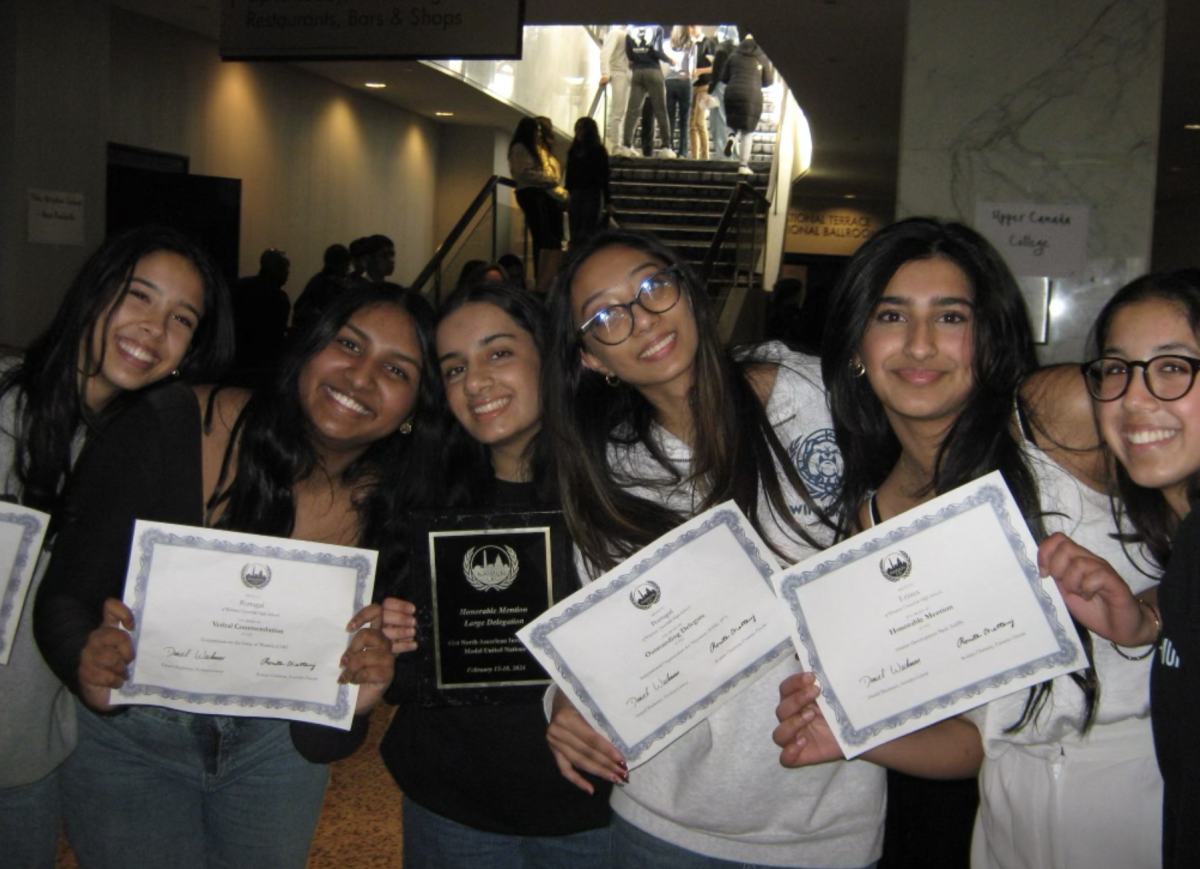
column 1151, row 428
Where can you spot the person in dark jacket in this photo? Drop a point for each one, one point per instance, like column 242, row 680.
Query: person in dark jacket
column 587, row 182
column 643, row 47
column 745, row 74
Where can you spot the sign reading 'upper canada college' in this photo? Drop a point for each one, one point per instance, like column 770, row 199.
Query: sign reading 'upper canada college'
column 370, row 29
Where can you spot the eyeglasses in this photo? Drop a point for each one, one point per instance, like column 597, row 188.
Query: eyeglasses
column 1168, row 378
column 657, row 294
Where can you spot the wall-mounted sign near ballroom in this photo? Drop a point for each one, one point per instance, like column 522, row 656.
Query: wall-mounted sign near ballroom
column 371, row 29
column 831, row 227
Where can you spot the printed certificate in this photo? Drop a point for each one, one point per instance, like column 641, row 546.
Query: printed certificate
column 21, row 533
column 651, row 648
column 927, row 615
column 239, row 624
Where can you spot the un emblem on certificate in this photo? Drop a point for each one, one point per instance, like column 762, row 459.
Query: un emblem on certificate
column 895, row 565
column 256, row 575
column 490, row 568
column 645, row 595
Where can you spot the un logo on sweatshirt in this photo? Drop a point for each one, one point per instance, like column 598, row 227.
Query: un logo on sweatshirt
column 819, row 463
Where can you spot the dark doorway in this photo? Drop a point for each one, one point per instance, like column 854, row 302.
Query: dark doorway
column 203, row 206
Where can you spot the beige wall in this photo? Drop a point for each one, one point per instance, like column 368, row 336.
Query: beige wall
column 54, row 58
column 319, row 163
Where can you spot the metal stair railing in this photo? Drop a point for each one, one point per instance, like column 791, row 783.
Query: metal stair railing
column 734, row 220
column 468, row 225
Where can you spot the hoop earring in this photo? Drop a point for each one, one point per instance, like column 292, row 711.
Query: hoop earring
column 612, row 380
column 857, row 369
column 406, row 428
column 175, row 373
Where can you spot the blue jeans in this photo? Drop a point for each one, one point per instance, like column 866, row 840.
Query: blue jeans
column 679, row 105
column 720, row 130
column 633, row 848
column 29, row 818
column 156, row 787
column 434, row 842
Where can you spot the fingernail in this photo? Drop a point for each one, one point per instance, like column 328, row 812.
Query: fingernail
column 342, row 679
column 623, row 765
column 345, row 661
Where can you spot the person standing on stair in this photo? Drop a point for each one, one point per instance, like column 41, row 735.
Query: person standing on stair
column 745, row 74
column 703, row 52
column 614, row 70
column 682, row 50
column 644, row 48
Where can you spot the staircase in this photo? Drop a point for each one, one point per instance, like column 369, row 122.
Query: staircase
column 681, row 202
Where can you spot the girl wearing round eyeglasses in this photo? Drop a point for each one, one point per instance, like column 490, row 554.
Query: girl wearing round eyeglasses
column 1147, row 339
column 653, row 422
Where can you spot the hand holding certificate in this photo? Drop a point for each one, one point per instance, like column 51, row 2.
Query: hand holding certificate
column 652, row 647
column 238, row 624
column 927, row 615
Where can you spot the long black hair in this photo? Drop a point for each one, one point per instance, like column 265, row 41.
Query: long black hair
column 48, row 381
column 1154, row 522
column 526, row 134
column 274, row 440
column 465, row 461
column 736, row 454
column 980, row 439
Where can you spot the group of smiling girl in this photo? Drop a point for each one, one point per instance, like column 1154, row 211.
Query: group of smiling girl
column 620, row 405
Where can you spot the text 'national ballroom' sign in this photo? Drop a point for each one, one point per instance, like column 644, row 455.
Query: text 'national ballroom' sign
column 370, row 29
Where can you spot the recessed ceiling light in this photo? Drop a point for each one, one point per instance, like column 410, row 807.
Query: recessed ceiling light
column 1191, row 126
column 444, row 114
column 375, row 84
column 849, row 196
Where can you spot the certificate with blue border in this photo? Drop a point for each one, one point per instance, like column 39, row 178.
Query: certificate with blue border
column 240, row 624
column 651, row 648
column 927, row 615
column 21, row 533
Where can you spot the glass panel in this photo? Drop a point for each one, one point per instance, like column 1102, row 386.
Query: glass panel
column 557, row 75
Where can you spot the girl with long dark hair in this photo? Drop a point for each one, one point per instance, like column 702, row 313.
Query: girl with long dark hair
column 318, row 456
column 653, row 421
column 146, row 305
column 479, row 785
column 1146, row 353
column 927, row 346
column 587, row 182
column 539, row 193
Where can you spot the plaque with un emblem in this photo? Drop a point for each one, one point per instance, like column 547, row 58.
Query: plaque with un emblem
column 488, row 575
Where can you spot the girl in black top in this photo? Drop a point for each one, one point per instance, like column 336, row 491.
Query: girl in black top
column 1147, row 347
column 303, row 460
column 587, row 182
column 480, row 780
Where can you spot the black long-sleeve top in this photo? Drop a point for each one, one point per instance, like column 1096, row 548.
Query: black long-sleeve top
column 146, row 464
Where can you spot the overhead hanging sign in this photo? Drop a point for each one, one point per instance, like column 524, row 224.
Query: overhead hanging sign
column 1036, row 239
column 370, row 29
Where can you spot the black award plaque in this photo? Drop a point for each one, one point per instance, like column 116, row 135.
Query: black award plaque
column 488, row 575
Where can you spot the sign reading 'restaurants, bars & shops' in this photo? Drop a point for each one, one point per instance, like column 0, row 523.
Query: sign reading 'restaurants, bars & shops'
column 370, row 29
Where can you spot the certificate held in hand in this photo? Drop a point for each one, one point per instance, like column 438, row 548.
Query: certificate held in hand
column 240, row 624
column 651, row 648
column 934, row 612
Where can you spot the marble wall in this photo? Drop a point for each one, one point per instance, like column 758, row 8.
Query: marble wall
column 1039, row 101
